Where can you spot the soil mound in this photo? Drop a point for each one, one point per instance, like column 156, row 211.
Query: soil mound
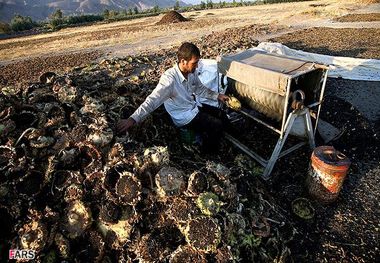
column 171, row 17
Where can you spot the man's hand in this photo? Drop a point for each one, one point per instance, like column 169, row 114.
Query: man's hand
column 124, row 124
column 223, row 98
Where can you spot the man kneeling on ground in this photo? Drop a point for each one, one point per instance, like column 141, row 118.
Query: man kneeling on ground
column 179, row 89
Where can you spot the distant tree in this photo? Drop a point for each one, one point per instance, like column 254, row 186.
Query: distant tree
column 135, row 10
column 156, row 9
column 176, row 5
column 57, row 14
column 209, row 4
column 124, row 13
column 106, row 14
column 203, row 5
column 130, row 11
column 113, row 14
column 56, row 19
column 5, row 28
column 72, row 20
column 20, row 23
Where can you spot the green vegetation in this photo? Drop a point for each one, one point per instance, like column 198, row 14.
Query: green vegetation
column 281, row 1
column 5, row 28
column 58, row 21
column 21, row 23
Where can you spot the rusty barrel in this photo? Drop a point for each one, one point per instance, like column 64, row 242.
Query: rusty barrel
column 328, row 169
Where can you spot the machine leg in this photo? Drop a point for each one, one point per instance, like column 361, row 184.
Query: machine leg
column 309, row 130
column 279, row 145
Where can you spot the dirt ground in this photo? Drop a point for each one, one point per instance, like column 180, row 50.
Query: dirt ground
column 127, row 37
column 348, row 230
column 359, row 18
column 345, row 231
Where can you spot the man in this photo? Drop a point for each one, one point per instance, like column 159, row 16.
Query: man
column 179, row 90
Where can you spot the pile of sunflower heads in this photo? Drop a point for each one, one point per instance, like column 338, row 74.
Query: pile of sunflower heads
column 72, row 190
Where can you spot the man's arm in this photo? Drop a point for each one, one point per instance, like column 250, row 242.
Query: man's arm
column 158, row 96
column 207, row 93
column 124, row 124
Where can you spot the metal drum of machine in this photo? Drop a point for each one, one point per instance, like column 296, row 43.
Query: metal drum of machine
column 281, row 88
column 328, row 169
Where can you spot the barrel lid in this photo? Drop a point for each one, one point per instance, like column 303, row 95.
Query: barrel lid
column 329, row 155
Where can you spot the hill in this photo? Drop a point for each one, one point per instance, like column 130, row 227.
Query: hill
column 41, row 9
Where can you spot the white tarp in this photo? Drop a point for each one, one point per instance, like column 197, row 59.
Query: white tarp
column 343, row 67
column 207, row 73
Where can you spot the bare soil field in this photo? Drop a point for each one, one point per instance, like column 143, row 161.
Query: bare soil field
column 144, row 34
column 345, row 42
column 359, row 18
column 345, row 231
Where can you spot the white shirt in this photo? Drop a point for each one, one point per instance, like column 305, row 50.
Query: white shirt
column 179, row 95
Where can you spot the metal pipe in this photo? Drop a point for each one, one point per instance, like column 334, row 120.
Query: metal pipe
column 304, row 72
column 245, row 149
column 320, row 100
column 285, row 107
column 259, row 121
column 291, row 149
column 313, row 104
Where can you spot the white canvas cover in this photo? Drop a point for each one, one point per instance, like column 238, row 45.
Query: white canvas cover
column 264, row 71
column 339, row 67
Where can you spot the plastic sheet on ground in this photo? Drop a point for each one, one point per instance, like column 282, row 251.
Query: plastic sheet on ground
column 340, row 67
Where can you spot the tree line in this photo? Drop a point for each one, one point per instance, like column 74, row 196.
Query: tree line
column 57, row 20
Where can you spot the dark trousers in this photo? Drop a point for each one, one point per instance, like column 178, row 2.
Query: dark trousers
column 210, row 123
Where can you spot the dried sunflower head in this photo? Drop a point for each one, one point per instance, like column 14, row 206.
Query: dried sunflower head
column 158, row 244
column 92, row 247
column 128, row 188
column 66, row 93
column 187, row 254
column 73, row 192
column 10, row 90
column 31, row 184
column 77, row 219
column 47, row 77
column 203, row 233
column 181, row 210
column 91, row 105
column 33, row 235
column 197, row 183
column 90, row 158
column 303, row 208
column 116, row 154
column 42, row 142
column 63, row 245
column 109, row 212
column 208, row 203
column 219, row 170
column 224, row 255
column 100, row 137
column 149, row 249
column 7, row 156
column 233, row 103
column 64, row 178
column 170, row 182
column 117, row 232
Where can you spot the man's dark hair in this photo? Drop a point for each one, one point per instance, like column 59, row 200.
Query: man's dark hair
column 187, row 50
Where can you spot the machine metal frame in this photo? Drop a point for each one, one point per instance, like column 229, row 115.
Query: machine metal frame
column 286, row 126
